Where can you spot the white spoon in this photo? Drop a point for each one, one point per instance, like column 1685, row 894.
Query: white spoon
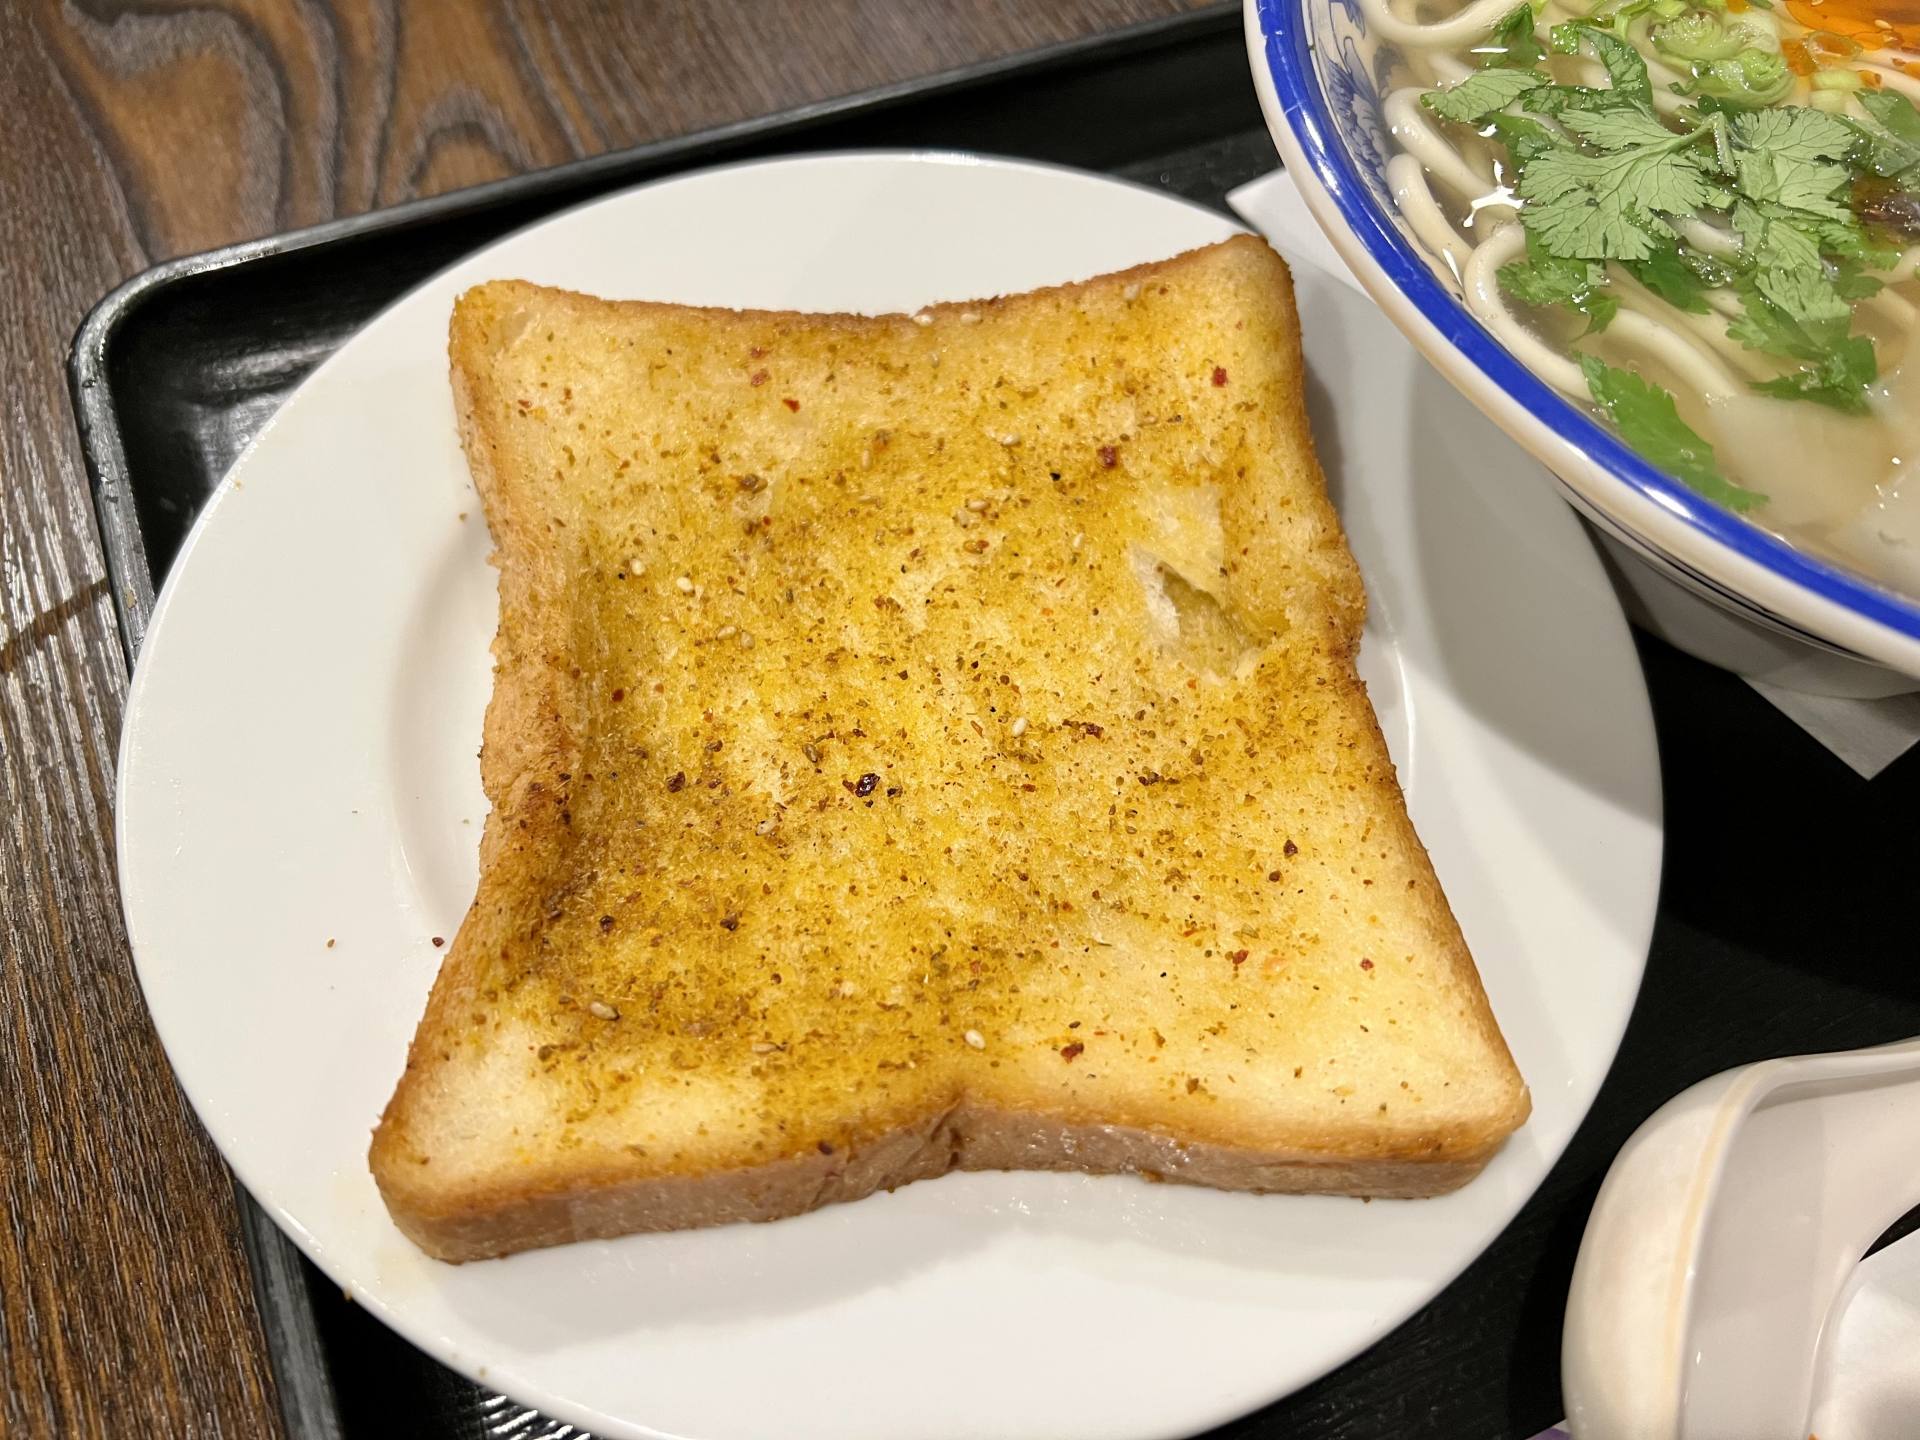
column 1726, row 1229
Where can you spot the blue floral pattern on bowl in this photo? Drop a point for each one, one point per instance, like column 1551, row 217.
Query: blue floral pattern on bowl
column 1353, row 70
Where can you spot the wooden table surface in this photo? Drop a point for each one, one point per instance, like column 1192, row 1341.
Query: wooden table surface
column 135, row 132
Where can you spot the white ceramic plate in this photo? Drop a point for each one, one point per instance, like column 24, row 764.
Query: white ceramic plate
column 300, row 806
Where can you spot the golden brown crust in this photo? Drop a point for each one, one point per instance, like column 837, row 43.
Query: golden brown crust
column 660, row 948
column 483, row 1227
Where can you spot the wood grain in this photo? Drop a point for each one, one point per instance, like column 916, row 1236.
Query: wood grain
column 133, row 132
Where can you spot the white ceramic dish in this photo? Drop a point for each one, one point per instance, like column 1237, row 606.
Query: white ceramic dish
column 1788, row 615
column 1729, row 1228
column 300, row 805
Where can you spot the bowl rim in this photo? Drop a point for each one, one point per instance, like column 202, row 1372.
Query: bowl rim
column 1285, row 46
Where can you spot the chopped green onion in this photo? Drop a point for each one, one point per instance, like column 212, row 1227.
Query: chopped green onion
column 1698, row 35
column 1749, row 80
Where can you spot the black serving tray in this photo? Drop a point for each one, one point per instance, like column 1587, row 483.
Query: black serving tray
column 1787, row 912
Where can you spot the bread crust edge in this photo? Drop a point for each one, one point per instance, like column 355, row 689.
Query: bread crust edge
column 963, row 1138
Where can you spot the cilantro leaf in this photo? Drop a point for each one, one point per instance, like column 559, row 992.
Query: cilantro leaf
column 1765, row 327
column 1714, row 272
column 1552, row 100
column 1810, row 299
column 1882, row 154
column 1798, row 314
column 1545, row 279
column 1849, row 240
column 1773, row 238
column 1594, row 222
column 1723, row 157
column 1709, row 104
column 1894, row 148
column 1777, row 237
column 1839, row 379
column 1523, row 138
column 1668, row 275
column 1787, row 156
column 1850, row 284
column 1796, row 184
column 1586, row 206
column 1599, row 308
column 1480, row 95
column 1626, row 70
column 1511, row 43
column 1895, row 112
column 1617, row 129
column 1802, row 315
column 1794, row 132
column 1647, row 420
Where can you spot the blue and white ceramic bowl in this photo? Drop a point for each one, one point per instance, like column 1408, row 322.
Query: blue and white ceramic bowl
column 1776, row 612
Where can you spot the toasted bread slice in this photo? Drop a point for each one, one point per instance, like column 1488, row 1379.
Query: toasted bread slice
column 923, row 743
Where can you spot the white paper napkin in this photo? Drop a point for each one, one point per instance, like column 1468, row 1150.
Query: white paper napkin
column 1868, row 735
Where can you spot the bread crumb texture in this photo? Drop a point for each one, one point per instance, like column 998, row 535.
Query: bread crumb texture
column 905, row 718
